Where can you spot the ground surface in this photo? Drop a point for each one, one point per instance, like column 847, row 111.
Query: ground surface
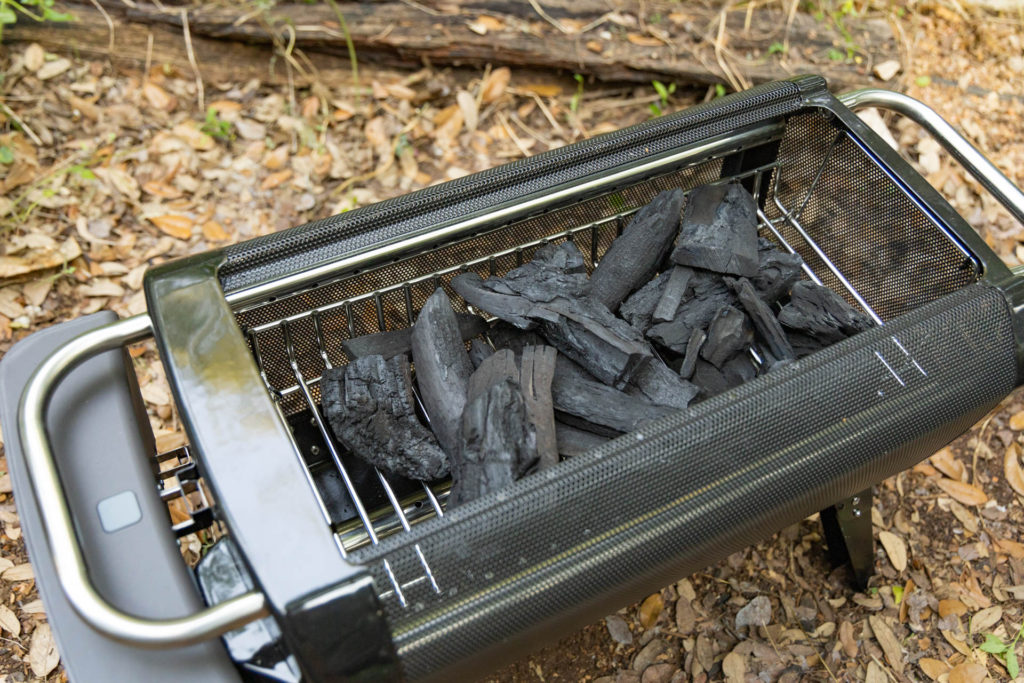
column 105, row 173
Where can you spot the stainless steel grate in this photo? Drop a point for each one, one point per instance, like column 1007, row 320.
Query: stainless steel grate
column 295, row 339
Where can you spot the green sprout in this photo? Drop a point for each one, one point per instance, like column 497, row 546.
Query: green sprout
column 217, row 127
column 574, row 104
column 664, row 93
column 1006, row 652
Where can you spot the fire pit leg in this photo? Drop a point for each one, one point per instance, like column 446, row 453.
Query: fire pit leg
column 847, row 526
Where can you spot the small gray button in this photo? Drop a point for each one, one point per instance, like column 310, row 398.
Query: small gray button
column 119, row 511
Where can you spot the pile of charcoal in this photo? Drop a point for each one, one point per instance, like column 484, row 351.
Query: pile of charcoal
column 684, row 305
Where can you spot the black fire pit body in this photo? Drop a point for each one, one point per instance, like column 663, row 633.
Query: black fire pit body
column 579, row 337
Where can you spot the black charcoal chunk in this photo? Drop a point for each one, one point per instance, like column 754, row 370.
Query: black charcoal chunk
column 662, row 386
column 394, row 342
column 499, row 366
column 585, row 331
column 536, row 373
column 730, row 333
column 555, row 270
column 719, row 231
column 505, row 336
column 442, row 368
column 734, row 372
column 692, row 353
column 370, row 407
column 509, row 307
column 709, row 295
column 673, row 336
column 777, row 271
column 577, row 393
column 765, row 322
column 804, row 344
column 821, row 314
column 478, row 351
column 573, row 441
column 668, row 304
column 498, row 444
column 638, row 309
column 634, row 257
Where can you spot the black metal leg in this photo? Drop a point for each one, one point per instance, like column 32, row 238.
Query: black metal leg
column 847, row 526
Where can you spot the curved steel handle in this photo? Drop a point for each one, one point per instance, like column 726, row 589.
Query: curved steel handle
column 1008, row 194
column 68, row 559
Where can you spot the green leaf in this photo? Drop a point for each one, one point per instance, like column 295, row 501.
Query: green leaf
column 897, row 594
column 51, row 15
column 775, row 48
column 993, row 645
column 655, row 109
column 660, row 88
column 923, row 81
column 6, row 154
column 83, row 172
column 7, row 15
column 835, row 55
column 1011, row 664
column 719, row 90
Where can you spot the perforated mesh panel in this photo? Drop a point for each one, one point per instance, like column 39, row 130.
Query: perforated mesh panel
column 567, row 545
column 867, row 226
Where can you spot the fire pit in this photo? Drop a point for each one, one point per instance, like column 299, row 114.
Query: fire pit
column 502, row 407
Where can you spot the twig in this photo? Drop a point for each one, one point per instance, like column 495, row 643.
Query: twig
column 348, row 41
column 200, row 92
column 530, row 131
column 110, row 25
column 361, row 178
column 547, row 112
column 512, row 134
column 21, row 124
column 977, row 448
column 422, row 8
column 149, row 54
column 548, row 18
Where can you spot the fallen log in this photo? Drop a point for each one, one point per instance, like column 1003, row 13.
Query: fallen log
column 672, row 42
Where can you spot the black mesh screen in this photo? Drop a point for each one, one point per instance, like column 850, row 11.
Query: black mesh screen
column 869, row 229
column 567, row 545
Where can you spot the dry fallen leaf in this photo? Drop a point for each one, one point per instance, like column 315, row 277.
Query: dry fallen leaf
column 161, row 189
column 495, row 85
column 9, row 621
column 932, row 668
column 734, row 666
column 34, row 607
column 213, row 232
column 956, row 641
column 968, row 672
column 595, row 46
column 986, row 619
column 895, row 548
column 951, row 606
column 39, row 259
column 890, row 643
column 963, row 492
column 1007, row 547
column 179, row 227
column 276, row 158
column 875, row 673
column 651, row 609
column 1012, row 470
column 275, row 179
column 467, row 103
column 195, row 138
column 5, row 483
column 159, row 98
column 53, row 69
column 42, row 652
column 944, row 462
column 643, row 41
column 848, row 639
column 19, row 572
column 1017, row 421
column 34, row 57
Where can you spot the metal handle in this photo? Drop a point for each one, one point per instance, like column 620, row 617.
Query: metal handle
column 56, row 517
column 980, row 168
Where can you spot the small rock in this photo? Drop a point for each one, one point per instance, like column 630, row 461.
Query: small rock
column 627, row 676
column 618, row 629
column 34, row 57
column 887, row 69
column 658, row 673
column 757, row 612
column 656, row 651
column 651, row 609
